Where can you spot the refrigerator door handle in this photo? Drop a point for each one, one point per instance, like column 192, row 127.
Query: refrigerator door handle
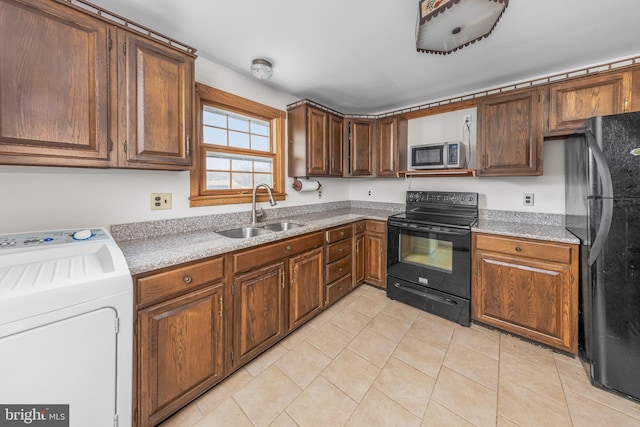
column 607, row 189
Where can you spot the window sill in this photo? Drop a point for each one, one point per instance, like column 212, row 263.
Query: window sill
column 232, row 199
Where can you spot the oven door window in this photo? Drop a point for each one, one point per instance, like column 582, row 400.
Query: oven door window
column 428, row 252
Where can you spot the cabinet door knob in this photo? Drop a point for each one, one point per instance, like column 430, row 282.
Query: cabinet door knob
column 340, row 269
column 340, row 250
column 187, row 279
column 342, row 233
column 518, row 249
column 288, row 248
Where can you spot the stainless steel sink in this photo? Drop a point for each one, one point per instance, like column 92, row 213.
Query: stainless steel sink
column 244, row 232
column 282, row 226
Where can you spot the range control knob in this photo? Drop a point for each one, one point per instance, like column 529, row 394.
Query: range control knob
column 82, row 235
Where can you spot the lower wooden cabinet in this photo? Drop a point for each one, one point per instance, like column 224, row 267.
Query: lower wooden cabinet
column 527, row 287
column 338, row 262
column 358, row 253
column 306, row 290
column 375, row 248
column 258, row 311
column 180, row 339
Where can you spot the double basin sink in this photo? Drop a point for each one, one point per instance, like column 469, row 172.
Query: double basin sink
column 247, row 232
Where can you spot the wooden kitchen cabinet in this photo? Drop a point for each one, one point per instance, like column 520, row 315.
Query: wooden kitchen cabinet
column 277, row 287
column 155, row 96
column 572, row 102
column 358, row 254
column 338, row 260
column 315, row 142
column 73, row 96
column 259, row 311
column 375, row 248
column 306, row 290
column 391, row 146
column 510, row 136
column 359, row 147
column 527, row 287
column 180, row 338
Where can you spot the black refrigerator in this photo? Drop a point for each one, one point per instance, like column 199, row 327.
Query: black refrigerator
column 602, row 205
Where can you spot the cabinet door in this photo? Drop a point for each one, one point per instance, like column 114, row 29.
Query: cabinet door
column 317, row 142
column 391, row 146
column 510, row 134
column 181, row 350
column 375, row 258
column 306, row 287
column 155, row 98
column 361, row 147
column 258, row 311
column 531, row 298
column 572, row 102
column 358, row 260
column 55, row 88
column 335, row 145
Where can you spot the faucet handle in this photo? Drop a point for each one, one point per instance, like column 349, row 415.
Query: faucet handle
column 260, row 214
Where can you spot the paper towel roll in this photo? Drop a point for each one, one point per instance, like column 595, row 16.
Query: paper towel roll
column 306, row 185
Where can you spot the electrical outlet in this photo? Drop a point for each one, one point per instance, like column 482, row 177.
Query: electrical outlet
column 369, row 193
column 527, row 199
column 320, row 193
column 466, row 119
column 160, row 201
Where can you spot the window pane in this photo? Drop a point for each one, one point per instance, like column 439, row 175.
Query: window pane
column 217, row 181
column 263, row 166
column 214, row 136
column 241, row 165
column 260, row 143
column 241, row 180
column 260, row 128
column 238, row 124
column 238, row 140
column 213, row 117
column 215, row 162
column 263, row 179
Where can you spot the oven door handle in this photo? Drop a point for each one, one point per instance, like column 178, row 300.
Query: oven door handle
column 404, row 226
column 437, row 298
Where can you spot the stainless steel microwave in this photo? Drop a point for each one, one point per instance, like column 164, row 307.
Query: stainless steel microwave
column 444, row 155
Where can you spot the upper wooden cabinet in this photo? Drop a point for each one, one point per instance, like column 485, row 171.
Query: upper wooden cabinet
column 155, row 104
column 71, row 95
column 391, row 147
column 360, row 139
column 572, row 102
column 510, row 134
column 315, row 142
column 54, row 86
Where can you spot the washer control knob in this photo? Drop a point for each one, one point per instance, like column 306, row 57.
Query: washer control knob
column 82, row 235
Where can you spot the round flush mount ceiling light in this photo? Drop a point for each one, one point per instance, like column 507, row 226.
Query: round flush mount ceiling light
column 261, row 69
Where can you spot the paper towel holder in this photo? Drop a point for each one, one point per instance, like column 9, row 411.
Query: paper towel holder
column 297, row 184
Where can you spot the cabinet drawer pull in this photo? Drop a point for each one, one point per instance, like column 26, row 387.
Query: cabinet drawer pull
column 342, row 233
column 340, row 250
column 288, row 248
column 187, row 279
column 339, row 288
column 518, row 249
column 340, row 269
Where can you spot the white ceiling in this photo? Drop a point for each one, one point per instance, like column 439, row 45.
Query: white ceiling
column 359, row 56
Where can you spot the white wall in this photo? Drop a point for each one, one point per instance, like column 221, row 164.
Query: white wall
column 41, row 198
column 495, row 193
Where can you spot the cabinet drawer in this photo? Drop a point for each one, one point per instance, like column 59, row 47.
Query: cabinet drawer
column 272, row 252
column 338, row 289
column 337, row 269
column 376, row 226
column 338, row 250
column 549, row 251
column 359, row 227
column 339, row 233
column 178, row 280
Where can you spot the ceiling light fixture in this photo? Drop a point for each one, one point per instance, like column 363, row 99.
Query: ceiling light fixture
column 445, row 26
column 261, row 69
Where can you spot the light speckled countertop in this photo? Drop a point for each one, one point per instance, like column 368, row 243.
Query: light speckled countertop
column 148, row 254
column 526, row 230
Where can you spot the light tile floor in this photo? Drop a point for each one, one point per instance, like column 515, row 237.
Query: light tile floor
column 371, row 361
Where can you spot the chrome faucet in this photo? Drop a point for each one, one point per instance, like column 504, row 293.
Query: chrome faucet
column 254, row 215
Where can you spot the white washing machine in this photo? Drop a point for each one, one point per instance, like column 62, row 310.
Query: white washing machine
column 66, row 323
